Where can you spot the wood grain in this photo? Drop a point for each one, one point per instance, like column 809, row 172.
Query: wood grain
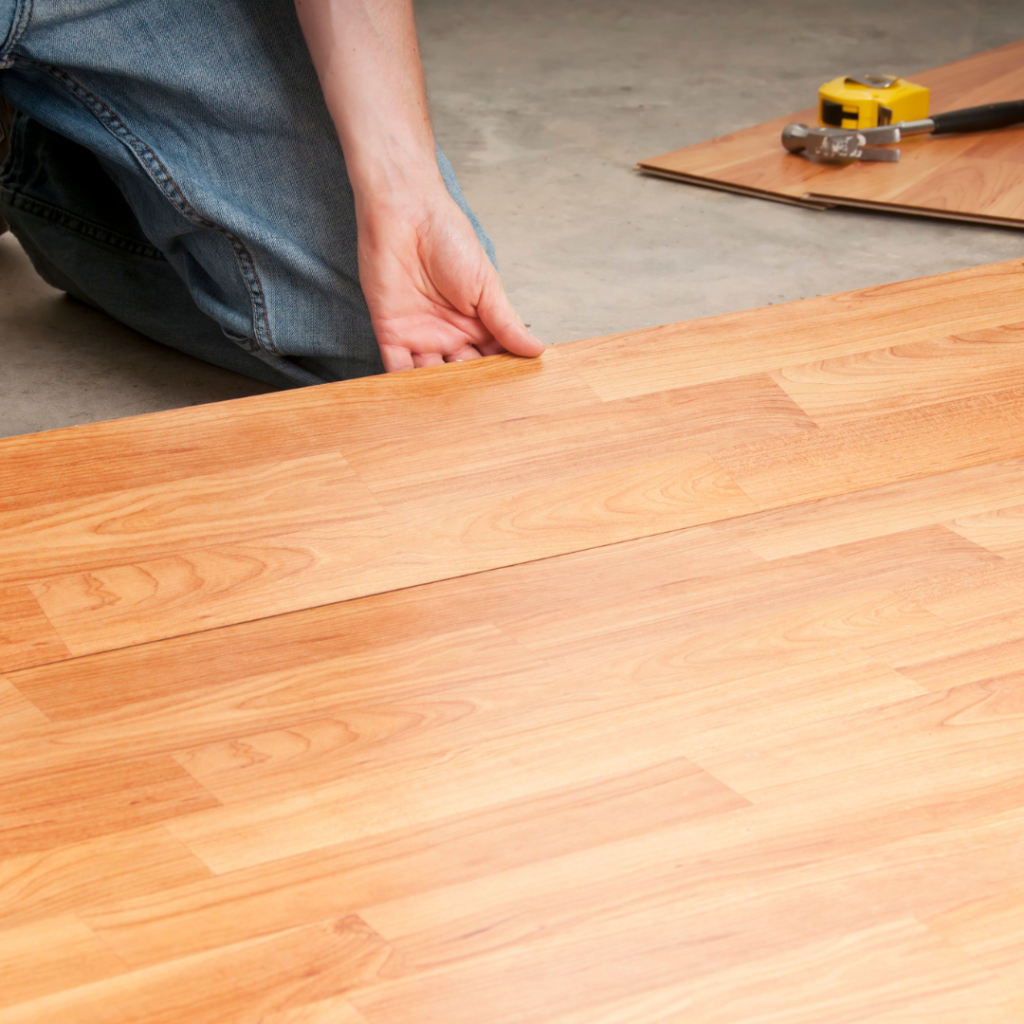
column 267, row 976
column 678, row 676
column 49, row 956
column 27, row 636
column 963, row 177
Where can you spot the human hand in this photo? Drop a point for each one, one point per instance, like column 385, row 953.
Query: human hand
column 433, row 294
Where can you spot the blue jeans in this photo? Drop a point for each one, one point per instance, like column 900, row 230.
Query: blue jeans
column 173, row 163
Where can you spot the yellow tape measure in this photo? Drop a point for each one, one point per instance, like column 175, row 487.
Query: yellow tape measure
column 868, row 101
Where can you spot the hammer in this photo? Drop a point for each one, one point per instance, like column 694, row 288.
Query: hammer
column 839, row 145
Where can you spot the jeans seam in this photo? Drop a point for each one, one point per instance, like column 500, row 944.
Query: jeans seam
column 73, row 222
column 162, row 179
column 22, row 16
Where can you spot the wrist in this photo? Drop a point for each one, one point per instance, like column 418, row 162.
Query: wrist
column 398, row 196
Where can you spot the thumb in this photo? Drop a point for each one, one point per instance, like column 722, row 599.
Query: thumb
column 497, row 314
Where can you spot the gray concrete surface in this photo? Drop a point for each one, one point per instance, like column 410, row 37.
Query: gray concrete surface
column 544, row 106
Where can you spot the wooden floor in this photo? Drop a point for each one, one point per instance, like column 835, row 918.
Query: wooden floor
column 675, row 677
column 971, row 177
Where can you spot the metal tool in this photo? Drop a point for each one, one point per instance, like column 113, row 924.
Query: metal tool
column 839, row 145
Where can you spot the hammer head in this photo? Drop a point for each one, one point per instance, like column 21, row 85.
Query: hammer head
column 836, row 145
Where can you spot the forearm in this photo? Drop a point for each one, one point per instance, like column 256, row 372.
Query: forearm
column 432, row 293
column 367, row 58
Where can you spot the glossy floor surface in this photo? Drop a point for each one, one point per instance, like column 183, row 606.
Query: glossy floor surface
column 678, row 676
column 545, row 107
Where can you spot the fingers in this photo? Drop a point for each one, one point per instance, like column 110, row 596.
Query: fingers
column 502, row 321
column 427, row 359
column 396, row 358
column 437, row 358
column 464, row 353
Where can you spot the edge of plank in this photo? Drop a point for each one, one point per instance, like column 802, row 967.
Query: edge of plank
column 807, row 202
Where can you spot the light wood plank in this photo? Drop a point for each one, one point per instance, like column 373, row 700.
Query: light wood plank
column 276, row 974
column 177, row 666
column 881, row 511
column 990, row 930
column 428, row 788
column 888, row 970
column 906, row 376
column 39, row 812
column 49, row 956
column 970, row 732
column 159, row 448
column 146, row 523
column 69, row 879
column 18, row 715
column 201, row 588
column 811, row 330
column 1000, row 530
column 966, row 595
column 794, row 585
column 901, row 446
column 336, row 1010
column 971, row 651
column 628, row 809
column 27, row 636
column 607, row 436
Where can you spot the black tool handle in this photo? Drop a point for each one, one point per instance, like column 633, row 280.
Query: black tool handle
column 978, row 119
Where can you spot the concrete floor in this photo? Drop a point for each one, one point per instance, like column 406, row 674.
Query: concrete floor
column 544, row 106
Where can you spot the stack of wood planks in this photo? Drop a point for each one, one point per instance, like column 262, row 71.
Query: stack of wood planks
column 676, row 676
column 972, row 177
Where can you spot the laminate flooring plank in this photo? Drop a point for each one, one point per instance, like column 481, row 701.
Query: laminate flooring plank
column 543, row 980
column 340, row 880
column 312, row 754
column 42, row 811
column 1000, row 530
column 958, row 744
column 203, row 588
column 991, row 930
column 907, row 376
column 325, row 1011
column 151, row 522
column 967, row 595
column 159, row 448
column 717, row 867
column 235, row 985
column 968, row 651
column 49, row 956
column 532, row 450
column 811, row 330
column 431, row 787
column 905, row 445
column 18, row 715
column 27, row 636
column 698, row 605
column 881, row 511
column 166, row 672
column 895, row 975
column 328, row 709
column 71, row 879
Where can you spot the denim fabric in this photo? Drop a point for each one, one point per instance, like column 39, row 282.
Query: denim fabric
column 178, row 169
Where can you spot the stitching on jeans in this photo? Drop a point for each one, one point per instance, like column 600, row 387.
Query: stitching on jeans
column 160, row 176
column 35, row 207
column 22, row 16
